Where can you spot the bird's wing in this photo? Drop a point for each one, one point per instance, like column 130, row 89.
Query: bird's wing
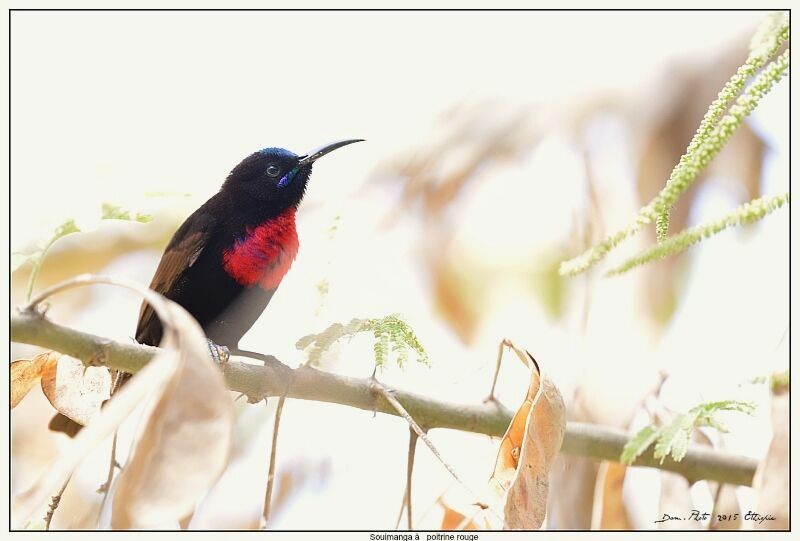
column 180, row 254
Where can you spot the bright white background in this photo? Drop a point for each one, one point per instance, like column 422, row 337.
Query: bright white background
column 116, row 106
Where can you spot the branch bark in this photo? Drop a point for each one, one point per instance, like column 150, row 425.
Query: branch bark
column 259, row 382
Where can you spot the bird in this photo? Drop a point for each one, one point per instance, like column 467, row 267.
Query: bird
column 225, row 262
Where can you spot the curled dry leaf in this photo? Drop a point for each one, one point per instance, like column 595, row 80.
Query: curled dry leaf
column 453, row 520
column 175, row 460
column 25, row 373
column 727, row 503
column 75, row 390
column 184, row 444
column 772, row 479
column 151, row 377
column 528, row 450
column 610, row 512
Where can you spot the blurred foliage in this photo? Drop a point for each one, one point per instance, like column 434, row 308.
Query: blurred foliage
column 441, row 176
column 116, row 212
column 550, row 286
column 778, row 381
column 747, row 213
column 392, row 335
column 773, row 32
column 468, row 137
column 487, row 141
column 37, row 256
column 738, row 168
column 35, row 524
column 68, row 227
column 706, row 145
column 673, row 439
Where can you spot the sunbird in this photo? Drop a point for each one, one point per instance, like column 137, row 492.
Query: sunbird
column 225, row 262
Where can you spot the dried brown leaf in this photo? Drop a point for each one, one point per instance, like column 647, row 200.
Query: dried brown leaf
column 772, row 479
column 465, row 138
column 161, row 376
column 528, row 450
column 111, row 416
column 726, row 504
column 459, row 295
column 75, row 390
column 610, row 512
column 185, row 442
column 453, row 520
column 25, row 373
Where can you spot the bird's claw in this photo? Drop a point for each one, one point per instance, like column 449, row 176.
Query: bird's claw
column 219, row 354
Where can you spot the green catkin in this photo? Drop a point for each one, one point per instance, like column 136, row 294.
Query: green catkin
column 748, row 213
column 772, row 33
column 694, row 164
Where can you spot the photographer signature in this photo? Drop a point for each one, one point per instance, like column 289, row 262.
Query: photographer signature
column 697, row 516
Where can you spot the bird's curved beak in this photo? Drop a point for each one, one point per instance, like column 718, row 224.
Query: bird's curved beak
column 311, row 157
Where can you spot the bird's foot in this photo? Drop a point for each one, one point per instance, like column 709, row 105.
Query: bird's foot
column 219, row 354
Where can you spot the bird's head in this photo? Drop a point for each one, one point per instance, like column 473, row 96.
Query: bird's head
column 276, row 176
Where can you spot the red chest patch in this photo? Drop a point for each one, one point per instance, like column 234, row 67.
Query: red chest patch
column 265, row 253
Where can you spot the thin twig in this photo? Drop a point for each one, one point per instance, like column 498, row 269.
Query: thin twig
column 503, row 344
column 712, row 522
column 51, row 509
column 271, row 473
column 402, row 508
column 467, row 520
column 266, row 359
column 119, row 378
column 699, row 434
column 106, row 487
column 387, row 394
column 412, row 450
column 258, row 382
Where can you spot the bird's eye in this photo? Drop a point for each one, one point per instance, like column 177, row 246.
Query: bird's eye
column 273, row 170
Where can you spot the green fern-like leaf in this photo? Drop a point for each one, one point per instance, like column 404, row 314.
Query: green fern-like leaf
column 68, row 227
column 715, row 130
column 705, row 412
column 639, row 444
column 673, row 440
column 393, row 338
column 37, row 257
column 117, row 212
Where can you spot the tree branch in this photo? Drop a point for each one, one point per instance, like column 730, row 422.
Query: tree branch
column 259, row 382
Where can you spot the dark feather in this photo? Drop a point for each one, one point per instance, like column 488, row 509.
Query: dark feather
column 62, row 423
column 181, row 253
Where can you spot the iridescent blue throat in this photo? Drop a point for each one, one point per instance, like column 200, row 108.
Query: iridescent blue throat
column 287, row 178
